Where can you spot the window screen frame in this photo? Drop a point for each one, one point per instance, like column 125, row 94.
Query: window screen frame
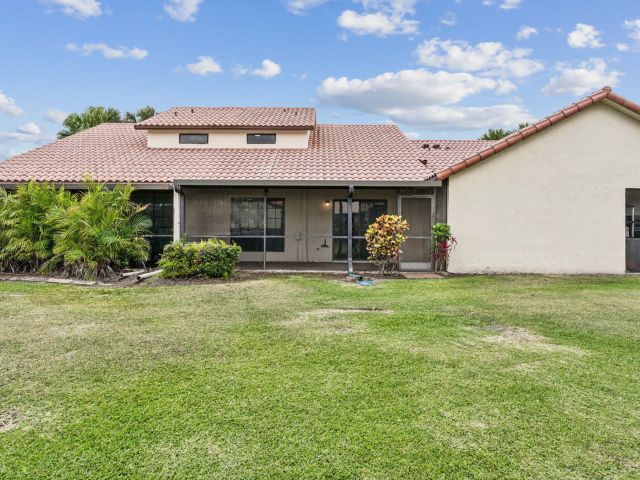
column 254, row 135
column 181, row 142
column 251, row 239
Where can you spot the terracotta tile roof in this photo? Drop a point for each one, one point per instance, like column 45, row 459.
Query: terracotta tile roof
column 232, row 117
column 116, row 152
column 440, row 154
column 604, row 94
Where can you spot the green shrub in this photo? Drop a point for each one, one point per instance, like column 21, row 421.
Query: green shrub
column 89, row 234
column 26, row 231
column 213, row 258
column 101, row 232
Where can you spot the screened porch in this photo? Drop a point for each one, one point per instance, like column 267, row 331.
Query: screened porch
column 313, row 229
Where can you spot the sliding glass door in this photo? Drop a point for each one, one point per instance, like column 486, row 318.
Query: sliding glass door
column 364, row 213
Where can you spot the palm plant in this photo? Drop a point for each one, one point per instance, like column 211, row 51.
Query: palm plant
column 93, row 116
column 102, row 232
column 26, row 233
column 500, row 133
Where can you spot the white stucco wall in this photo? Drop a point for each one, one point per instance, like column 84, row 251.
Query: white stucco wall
column 553, row 203
column 227, row 138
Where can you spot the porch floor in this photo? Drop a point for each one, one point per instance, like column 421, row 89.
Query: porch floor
column 308, row 267
column 319, row 267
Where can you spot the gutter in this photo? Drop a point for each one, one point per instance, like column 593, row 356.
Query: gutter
column 83, row 186
column 307, row 183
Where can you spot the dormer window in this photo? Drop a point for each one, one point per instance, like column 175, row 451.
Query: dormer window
column 261, row 138
column 194, row 138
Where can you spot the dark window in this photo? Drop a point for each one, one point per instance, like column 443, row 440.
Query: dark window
column 247, row 224
column 364, row 213
column 261, row 138
column 160, row 210
column 194, row 138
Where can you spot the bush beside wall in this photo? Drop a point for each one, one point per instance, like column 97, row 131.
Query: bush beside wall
column 212, row 259
column 89, row 234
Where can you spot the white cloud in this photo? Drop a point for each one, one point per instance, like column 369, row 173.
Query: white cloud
column 269, row 69
column 182, row 10
column 504, row 5
column 413, row 135
column 30, row 129
column 381, row 17
column 55, row 115
column 79, row 8
column 300, row 7
column 526, row 32
column 420, row 97
column 27, row 132
column 622, row 47
column 585, row 36
column 488, row 58
column 204, row 66
column 584, row 78
column 449, row 19
column 510, row 4
column 23, row 138
column 108, row 52
column 8, row 105
column 633, row 26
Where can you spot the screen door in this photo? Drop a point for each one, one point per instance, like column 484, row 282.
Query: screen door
column 418, row 211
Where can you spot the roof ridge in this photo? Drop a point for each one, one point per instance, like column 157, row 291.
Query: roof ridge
column 517, row 137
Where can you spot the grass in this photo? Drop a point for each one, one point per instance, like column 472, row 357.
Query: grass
column 300, row 377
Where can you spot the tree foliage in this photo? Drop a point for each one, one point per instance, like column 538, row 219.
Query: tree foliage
column 500, row 133
column 26, row 231
column 88, row 234
column 93, row 116
column 102, row 231
column 385, row 238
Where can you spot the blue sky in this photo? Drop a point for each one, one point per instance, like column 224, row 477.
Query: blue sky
column 438, row 68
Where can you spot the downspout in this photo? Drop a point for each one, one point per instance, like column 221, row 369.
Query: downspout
column 264, row 231
column 350, row 229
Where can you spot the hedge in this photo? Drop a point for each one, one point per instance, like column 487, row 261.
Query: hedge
column 212, row 259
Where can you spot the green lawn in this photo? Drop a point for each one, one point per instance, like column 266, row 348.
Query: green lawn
column 300, row 377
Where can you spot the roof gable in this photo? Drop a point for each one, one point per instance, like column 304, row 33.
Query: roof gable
column 605, row 94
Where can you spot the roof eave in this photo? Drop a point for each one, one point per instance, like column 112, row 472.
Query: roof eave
column 309, row 183
column 605, row 94
column 222, row 127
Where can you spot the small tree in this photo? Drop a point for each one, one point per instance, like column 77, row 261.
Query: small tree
column 102, row 231
column 443, row 245
column 385, row 238
column 26, row 233
column 500, row 133
column 94, row 116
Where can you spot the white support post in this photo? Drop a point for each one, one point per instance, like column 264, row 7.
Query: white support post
column 177, row 214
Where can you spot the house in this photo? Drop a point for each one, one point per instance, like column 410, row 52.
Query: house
column 292, row 192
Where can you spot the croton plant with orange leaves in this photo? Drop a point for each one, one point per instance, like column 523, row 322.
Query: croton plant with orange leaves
column 385, row 238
